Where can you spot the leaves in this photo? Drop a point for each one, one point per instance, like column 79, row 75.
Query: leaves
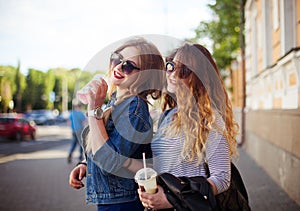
column 223, row 30
column 33, row 91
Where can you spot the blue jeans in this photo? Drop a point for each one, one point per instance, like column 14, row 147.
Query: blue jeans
column 132, row 206
column 73, row 146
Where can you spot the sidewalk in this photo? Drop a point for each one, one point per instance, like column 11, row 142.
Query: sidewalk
column 264, row 193
column 39, row 182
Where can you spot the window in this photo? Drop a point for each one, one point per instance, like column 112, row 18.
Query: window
column 287, row 25
column 275, row 15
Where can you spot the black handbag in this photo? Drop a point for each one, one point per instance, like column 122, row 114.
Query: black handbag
column 236, row 197
column 187, row 193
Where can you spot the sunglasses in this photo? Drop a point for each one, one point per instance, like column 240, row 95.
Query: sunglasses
column 183, row 73
column 127, row 66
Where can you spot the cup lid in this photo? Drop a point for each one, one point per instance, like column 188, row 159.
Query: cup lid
column 140, row 174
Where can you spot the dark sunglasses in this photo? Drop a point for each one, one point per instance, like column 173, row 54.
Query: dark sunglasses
column 127, row 66
column 183, row 73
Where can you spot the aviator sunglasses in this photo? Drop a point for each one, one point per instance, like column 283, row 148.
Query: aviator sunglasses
column 127, row 66
column 183, row 73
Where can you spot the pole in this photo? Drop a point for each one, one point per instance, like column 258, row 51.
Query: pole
column 242, row 44
column 64, row 95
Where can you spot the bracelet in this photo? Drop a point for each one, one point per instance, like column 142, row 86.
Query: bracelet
column 80, row 162
column 130, row 161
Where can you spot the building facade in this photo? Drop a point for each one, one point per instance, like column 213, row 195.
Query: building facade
column 272, row 98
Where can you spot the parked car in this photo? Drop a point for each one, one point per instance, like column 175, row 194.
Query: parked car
column 41, row 117
column 63, row 117
column 15, row 126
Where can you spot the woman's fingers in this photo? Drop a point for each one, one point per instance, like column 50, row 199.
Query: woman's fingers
column 76, row 184
column 146, row 198
column 74, row 176
column 97, row 92
column 155, row 201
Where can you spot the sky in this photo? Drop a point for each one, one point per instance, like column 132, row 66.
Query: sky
column 45, row 34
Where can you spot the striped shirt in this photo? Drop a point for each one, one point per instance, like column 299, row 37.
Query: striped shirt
column 167, row 156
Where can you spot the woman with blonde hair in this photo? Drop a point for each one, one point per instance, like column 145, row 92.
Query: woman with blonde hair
column 197, row 124
column 122, row 131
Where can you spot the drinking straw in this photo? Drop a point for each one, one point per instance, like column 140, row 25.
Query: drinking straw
column 144, row 162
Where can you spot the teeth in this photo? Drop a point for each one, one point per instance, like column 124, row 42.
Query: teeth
column 118, row 75
column 173, row 81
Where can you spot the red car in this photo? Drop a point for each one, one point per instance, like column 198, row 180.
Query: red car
column 15, row 126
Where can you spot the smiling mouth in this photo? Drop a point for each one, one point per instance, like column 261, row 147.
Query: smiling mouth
column 172, row 81
column 118, row 75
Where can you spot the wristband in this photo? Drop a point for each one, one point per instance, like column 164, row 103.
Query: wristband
column 80, row 162
column 130, row 161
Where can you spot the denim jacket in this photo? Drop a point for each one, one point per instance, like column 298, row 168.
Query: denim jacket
column 130, row 132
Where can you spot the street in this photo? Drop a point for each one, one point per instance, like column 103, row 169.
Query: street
column 34, row 177
column 35, row 174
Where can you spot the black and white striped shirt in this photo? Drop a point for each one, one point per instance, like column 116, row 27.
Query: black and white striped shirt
column 167, row 156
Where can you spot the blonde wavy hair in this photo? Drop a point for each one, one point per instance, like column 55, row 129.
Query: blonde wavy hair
column 202, row 102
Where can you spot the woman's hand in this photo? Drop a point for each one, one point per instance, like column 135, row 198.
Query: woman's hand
column 76, row 175
column 97, row 93
column 155, row 201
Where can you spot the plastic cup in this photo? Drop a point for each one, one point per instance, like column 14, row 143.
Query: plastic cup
column 82, row 94
column 146, row 184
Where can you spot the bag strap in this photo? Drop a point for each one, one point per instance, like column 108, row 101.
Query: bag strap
column 163, row 116
column 235, row 179
column 205, row 164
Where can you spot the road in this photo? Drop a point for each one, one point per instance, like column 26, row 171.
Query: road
column 35, row 174
column 34, row 177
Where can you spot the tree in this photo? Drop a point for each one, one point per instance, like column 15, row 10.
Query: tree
column 49, row 86
column 34, row 93
column 223, row 31
column 34, row 90
column 58, row 93
column 19, row 82
column 74, row 78
column 8, row 86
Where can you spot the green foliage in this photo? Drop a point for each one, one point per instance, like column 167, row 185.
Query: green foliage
column 58, row 93
column 20, row 85
column 223, row 31
column 33, row 90
column 11, row 83
column 75, row 79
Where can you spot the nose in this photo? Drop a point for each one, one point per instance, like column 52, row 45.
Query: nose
column 174, row 71
column 171, row 75
column 119, row 66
